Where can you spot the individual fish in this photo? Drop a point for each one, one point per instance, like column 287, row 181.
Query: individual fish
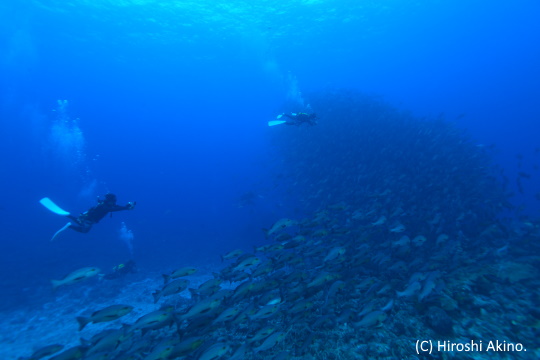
column 209, row 284
column 367, row 309
column 333, row 290
column 239, row 276
column 322, row 279
column 429, row 285
column 161, row 351
column 371, row 319
column 242, row 290
column 128, row 356
column 335, row 253
column 99, row 356
column 300, row 306
column 419, row 240
column 320, row 233
column 323, row 321
column 269, row 248
column 357, row 215
column 215, row 351
column 227, row 314
column 265, row 312
column 232, row 254
column 265, row 285
column 45, row 351
column 417, row 276
column 200, row 324
column 262, row 334
column 109, row 340
column 201, row 308
column 270, row 342
column 242, row 258
column 240, row 353
column 248, row 199
column 264, row 268
column 411, row 290
column 283, row 257
column 282, row 355
column 341, row 230
column 436, row 220
column 109, row 313
column 341, row 206
column 270, row 298
column 185, row 271
column 76, row 276
column 186, row 347
column 207, row 288
column 282, row 237
column 241, row 319
column 389, row 305
column 403, row 241
column 174, row 287
column 247, row 263
column 280, row 225
column 398, row 228
column 380, row 221
column 442, row 238
column 386, row 288
column 74, row 353
column 294, row 242
column 154, row 320
column 296, row 276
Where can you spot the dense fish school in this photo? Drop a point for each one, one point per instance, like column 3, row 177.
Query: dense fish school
column 407, row 243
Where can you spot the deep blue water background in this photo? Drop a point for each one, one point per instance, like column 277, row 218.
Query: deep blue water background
column 173, row 97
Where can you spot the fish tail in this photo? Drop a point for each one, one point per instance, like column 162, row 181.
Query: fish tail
column 194, row 293
column 83, row 321
column 156, row 295
column 166, row 278
column 56, row 284
column 85, row 342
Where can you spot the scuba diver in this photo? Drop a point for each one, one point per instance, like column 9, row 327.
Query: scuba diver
column 84, row 222
column 121, row 270
column 301, row 118
column 296, row 119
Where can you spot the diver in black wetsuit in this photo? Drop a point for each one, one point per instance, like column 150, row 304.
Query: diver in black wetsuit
column 301, row 118
column 84, row 222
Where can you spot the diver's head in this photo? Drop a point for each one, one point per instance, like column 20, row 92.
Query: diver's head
column 110, row 198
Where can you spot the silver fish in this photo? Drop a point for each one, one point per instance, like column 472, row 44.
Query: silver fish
column 76, row 276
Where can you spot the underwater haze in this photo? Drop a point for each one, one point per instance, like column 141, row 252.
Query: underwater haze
column 426, row 149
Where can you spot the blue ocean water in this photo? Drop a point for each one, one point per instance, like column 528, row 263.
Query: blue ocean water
column 166, row 103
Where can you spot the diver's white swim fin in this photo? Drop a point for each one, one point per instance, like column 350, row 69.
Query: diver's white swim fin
column 59, row 231
column 53, row 207
column 276, row 122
